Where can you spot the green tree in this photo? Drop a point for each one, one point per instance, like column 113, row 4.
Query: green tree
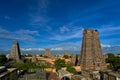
column 59, row 63
column 45, row 56
column 114, row 62
column 41, row 55
column 24, row 65
column 71, row 69
column 3, row 59
column 66, row 56
column 20, row 65
column 27, row 55
column 30, row 65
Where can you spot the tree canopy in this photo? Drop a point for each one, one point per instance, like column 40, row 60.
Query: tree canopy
column 24, row 65
column 114, row 62
column 3, row 59
column 66, row 56
column 71, row 69
column 59, row 63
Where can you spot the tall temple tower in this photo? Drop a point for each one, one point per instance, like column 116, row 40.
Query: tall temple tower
column 91, row 57
column 15, row 52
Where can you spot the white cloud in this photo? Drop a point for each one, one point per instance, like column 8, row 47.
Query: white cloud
column 57, row 49
column 32, row 49
column 64, row 29
column 27, row 35
column 37, row 12
column 75, row 46
column 70, row 34
column 105, row 45
column 109, row 30
column 38, row 20
column 27, row 32
column 3, row 31
column 7, row 17
column 43, row 4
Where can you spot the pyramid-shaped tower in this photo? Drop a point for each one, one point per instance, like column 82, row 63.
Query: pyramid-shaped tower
column 15, row 52
column 91, row 57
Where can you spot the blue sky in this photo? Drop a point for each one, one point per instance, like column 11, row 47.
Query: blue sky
column 57, row 24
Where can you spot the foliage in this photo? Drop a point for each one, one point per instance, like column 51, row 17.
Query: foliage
column 71, row 69
column 42, row 64
column 27, row 55
column 27, row 65
column 30, row 64
column 24, row 65
column 19, row 65
column 59, row 63
column 45, row 56
column 66, row 56
column 3, row 59
column 41, row 55
column 114, row 62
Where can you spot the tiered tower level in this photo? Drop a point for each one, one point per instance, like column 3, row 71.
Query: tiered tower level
column 15, row 52
column 91, row 53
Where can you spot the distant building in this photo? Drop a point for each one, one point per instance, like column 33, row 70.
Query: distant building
column 74, row 59
column 15, row 52
column 117, row 55
column 8, row 73
column 47, row 52
column 34, row 58
column 52, row 57
column 67, row 53
column 91, row 53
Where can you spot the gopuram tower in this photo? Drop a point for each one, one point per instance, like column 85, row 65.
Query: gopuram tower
column 91, row 57
column 15, row 52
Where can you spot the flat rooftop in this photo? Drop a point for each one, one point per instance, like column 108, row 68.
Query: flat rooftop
column 5, row 71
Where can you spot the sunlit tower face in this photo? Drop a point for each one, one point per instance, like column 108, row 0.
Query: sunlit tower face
column 91, row 53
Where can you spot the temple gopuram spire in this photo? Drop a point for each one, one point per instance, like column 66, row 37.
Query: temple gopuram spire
column 91, row 57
